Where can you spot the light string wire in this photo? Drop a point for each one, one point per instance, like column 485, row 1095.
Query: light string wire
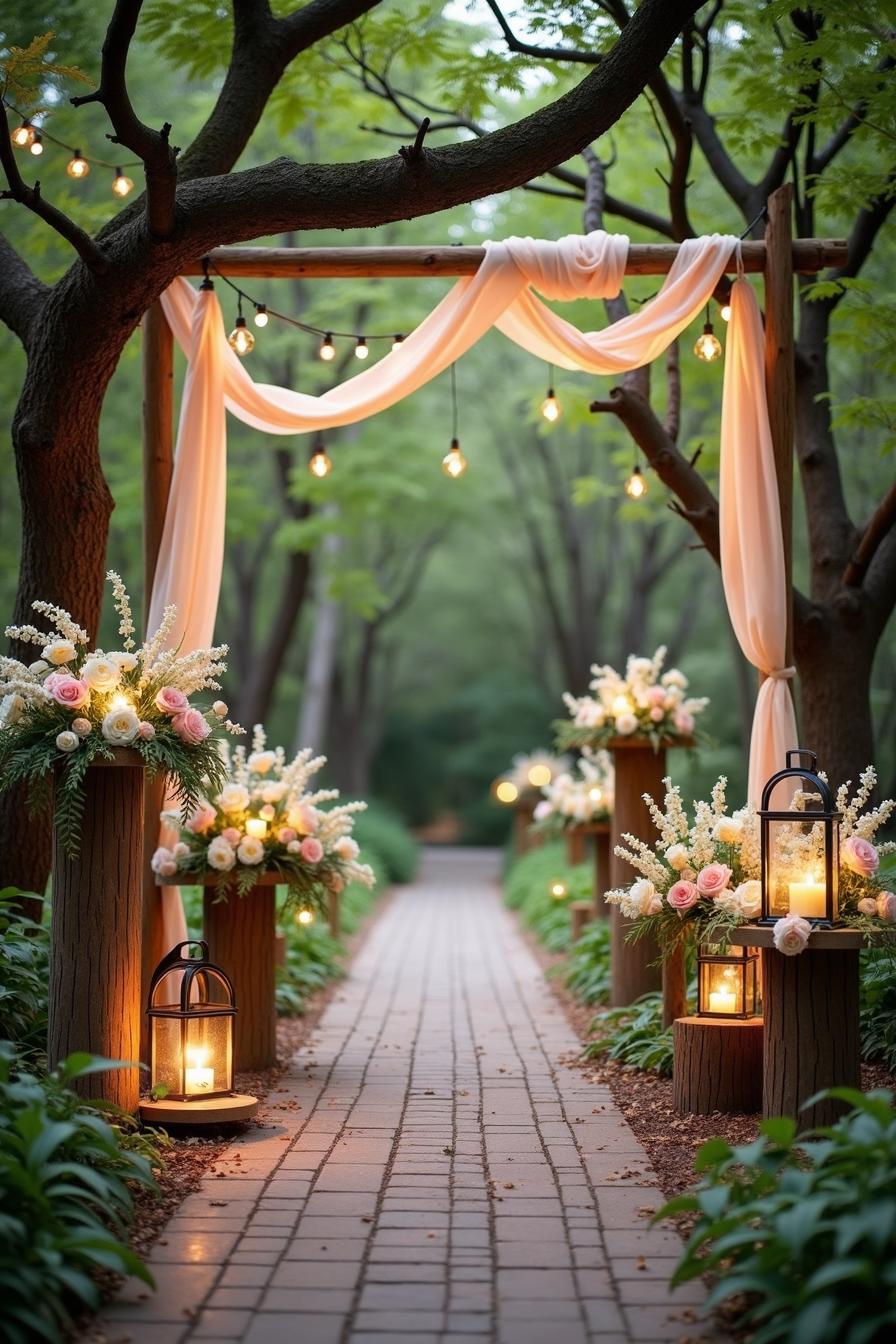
column 62, row 144
column 454, row 401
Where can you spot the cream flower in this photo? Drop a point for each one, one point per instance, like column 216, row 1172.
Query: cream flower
column 82, row 727
column 120, row 726
column 233, row 798
column 101, row 674
column 251, row 850
column 644, row 897
column 220, row 708
column 346, row 848
column 626, row 723
column 260, row 762
column 220, row 855
column 11, row 709
column 677, row 857
column 68, row 741
column 125, row 662
column 729, row 830
column 59, row 651
column 749, row 898
column 40, row 666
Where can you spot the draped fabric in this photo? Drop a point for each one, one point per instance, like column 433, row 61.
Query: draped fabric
column 500, row 294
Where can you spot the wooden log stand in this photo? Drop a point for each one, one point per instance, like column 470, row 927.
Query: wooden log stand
column 576, row 838
column 717, row 1065
column 811, row 1010
column 580, row 914
column 599, row 831
column 94, row 999
column 241, row 936
column 523, row 816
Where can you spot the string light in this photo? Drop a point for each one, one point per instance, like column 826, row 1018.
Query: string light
column 559, row 890
column 241, row 339
column 261, row 315
column 454, row 463
column 319, row 464
column 305, row 915
column 362, row 349
column 327, row 349
column 636, row 485
column 23, row 135
column 725, row 312
column 122, row 185
column 397, row 342
column 37, row 145
column 77, row 165
column 506, row 791
column 708, row 347
column 550, row 407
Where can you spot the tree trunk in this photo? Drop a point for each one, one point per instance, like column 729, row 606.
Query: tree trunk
column 314, row 714
column 835, row 654
column 95, row 1001
column 241, row 935
column 717, row 1066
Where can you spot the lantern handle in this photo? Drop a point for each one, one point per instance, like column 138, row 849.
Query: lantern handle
column 797, row 752
column 178, row 958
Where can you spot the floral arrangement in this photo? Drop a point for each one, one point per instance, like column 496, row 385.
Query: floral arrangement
column 528, row 774
column 702, row 876
column 645, row 702
column 262, row 816
column 578, row 796
column 74, row 705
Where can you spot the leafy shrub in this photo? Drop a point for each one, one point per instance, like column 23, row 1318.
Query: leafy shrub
column 313, row 956
column 527, row 888
column 380, row 831
column 65, row 1201
column 877, row 1008
column 805, row 1228
column 634, row 1035
column 588, row 970
column 24, row 976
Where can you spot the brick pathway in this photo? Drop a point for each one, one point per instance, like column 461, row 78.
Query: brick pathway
column 444, row 1178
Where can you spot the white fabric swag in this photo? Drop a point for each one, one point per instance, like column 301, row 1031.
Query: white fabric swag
column 501, row 294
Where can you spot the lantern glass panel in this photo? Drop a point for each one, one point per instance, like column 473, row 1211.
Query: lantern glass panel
column 167, row 1055
column 207, row 1055
column 802, row 860
column 727, row 982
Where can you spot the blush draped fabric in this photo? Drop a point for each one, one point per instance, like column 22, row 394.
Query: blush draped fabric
column 501, row 294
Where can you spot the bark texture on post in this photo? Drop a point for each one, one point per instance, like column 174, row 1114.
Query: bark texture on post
column 602, row 875
column 639, row 770
column 717, row 1066
column 675, row 987
column 811, row 1008
column 95, row 1002
column 580, row 914
column 241, row 937
column 334, row 913
column 576, row 844
column 523, row 815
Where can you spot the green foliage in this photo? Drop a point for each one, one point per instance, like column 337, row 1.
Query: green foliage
column 527, row 888
column 313, row 956
column 386, row 844
column 588, row 967
column 24, row 975
column 633, row 1035
column 877, row 1008
column 801, row 1230
column 65, row 1198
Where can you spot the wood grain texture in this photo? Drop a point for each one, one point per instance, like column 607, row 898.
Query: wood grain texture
column 576, row 844
column 580, row 914
column 334, row 912
column 95, row 1000
column 675, row 986
column 523, row 815
column 602, row 876
column 717, row 1066
column 241, row 937
column 639, row 770
column 780, row 371
column 811, row 1008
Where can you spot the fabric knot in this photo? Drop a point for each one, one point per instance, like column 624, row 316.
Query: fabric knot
column 579, row 266
column 782, row 674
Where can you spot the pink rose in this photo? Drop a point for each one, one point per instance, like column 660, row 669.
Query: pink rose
column 657, row 714
column 285, row 834
column 886, row 907
column 867, row 906
column 232, row 836
column 684, row 722
column 311, row 850
column 146, row 731
column 171, row 701
column 190, row 726
column 656, row 695
column 713, row 879
column 201, row 818
column 791, row 935
column 268, row 812
column 682, row 895
column 859, row 855
column 68, row 691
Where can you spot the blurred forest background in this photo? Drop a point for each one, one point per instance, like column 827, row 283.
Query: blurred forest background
column 421, row 630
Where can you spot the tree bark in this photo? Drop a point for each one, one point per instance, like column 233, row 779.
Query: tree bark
column 241, row 933
column 717, row 1066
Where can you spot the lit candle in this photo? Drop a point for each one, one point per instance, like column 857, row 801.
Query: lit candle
column 257, row 827
column 723, row 1001
column 808, row 898
column 197, row 1077
column 622, row 705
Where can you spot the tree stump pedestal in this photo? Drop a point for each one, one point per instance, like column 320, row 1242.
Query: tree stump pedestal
column 576, row 838
column 717, row 1065
column 523, row 816
column 811, row 1009
column 94, row 997
column 241, row 935
column 599, row 831
column 580, row 914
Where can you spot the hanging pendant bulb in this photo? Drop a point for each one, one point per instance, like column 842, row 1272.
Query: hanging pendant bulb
column 725, row 312
column 77, row 165
column 550, row 407
column 261, row 315
column 708, row 346
column 454, row 463
column 327, row 349
column 397, row 342
column 23, row 135
column 37, row 144
column 122, row 185
column 305, row 915
column 362, row 350
column 319, row 464
column 241, row 339
column 636, row 485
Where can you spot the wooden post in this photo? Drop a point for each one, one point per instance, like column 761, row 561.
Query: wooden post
column 95, row 1000
column 717, row 1065
column 580, row 914
column 675, row 987
column 639, row 770
column 279, row 948
column 780, row 373
column 158, row 465
column 602, row 875
column 575, row 844
column 333, row 913
column 523, row 815
column 240, row 932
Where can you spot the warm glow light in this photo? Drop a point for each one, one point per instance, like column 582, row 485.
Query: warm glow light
column 397, row 342
column 636, row 485
column 808, row 898
column 725, row 312
column 37, row 145
column 722, row 1001
column 319, row 464
column 197, row 1077
column 539, row 775
column 454, row 463
column 23, row 135
column 327, row 349
column 559, row 889
column 550, row 407
column 77, row 166
column 241, row 339
column 257, row 827
column 622, row 705
column 362, row 350
column 122, row 185
column 120, row 701
column 305, row 916
column 261, row 315
column 595, row 795
column 506, row 791
column 708, row 347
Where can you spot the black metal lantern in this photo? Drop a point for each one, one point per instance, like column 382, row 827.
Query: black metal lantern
column 727, row 981
column 191, row 1010
column 800, row 851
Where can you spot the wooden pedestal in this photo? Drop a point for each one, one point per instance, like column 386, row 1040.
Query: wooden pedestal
column 94, row 999
column 241, row 936
column 602, row 876
column 523, row 816
column 580, row 914
column 196, row 1114
column 576, row 844
column 334, row 913
column 717, row 1065
column 639, row 770
column 811, row 1008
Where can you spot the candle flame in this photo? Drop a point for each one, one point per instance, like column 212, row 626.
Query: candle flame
column 196, row 1057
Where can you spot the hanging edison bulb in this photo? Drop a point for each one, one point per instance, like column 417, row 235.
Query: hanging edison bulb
column 725, row 312
column 241, row 339
column 708, row 347
column 37, row 145
column 454, row 463
column 261, row 315
column 122, row 185
column 397, row 342
column 327, row 349
column 319, row 464
column 550, row 407
column 305, row 915
column 23, row 135
column 362, row 349
column 77, row 165
column 636, row 485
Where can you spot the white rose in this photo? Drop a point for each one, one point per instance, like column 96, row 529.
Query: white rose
column 39, row 666
column 168, row 869
column 274, row 793
column 82, row 727
column 233, row 798
column 674, row 678
column 346, row 848
column 749, row 896
column 120, row 726
column 59, row 651
column 791, row 935
column 294, row 846
column 220, row 708
column 729, row 901
column 181, row 850
column 677, row 857
column 125, row 662
column 160, row 859
column 260, row 762
column 12, row 708
column 626, row 724
column 643, row 897
column 729, row 830
column 68, row 741
column 101, row 674
column 220, row 855
column 251, row 850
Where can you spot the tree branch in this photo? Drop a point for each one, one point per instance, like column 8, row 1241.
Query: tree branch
column 22, row 295
column 879, row 524
column 568, row 54
column 158, row 156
